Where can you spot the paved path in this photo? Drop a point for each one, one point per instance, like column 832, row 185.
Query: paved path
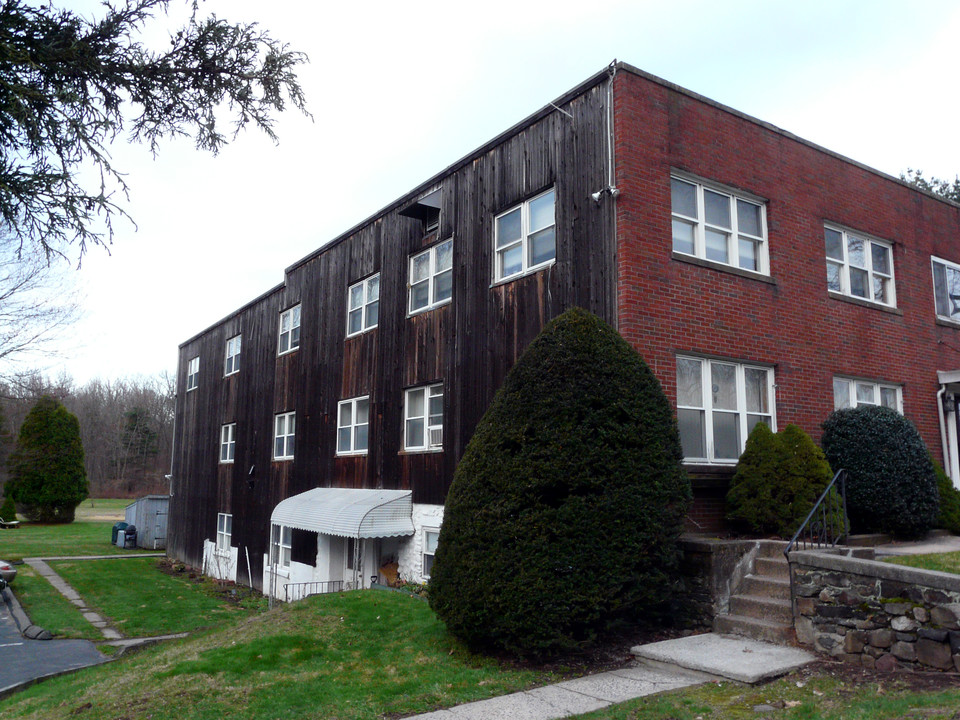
column 934, row 544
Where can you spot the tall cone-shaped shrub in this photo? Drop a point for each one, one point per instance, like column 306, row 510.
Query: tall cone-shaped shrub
column 565, row 510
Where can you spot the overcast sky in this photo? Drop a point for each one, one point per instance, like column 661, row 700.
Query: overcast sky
column 399, row 91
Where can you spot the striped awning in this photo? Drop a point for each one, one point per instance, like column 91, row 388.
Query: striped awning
column 348, row 512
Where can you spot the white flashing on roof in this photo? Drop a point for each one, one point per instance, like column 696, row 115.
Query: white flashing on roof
column 348, row 512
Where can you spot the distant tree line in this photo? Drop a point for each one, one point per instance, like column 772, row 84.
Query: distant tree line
column 126, row 427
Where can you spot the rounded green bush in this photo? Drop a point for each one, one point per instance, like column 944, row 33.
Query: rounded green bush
column 8, row 510
column 949, row 516
column 47, row 475
column 778, row 479
column 564, row 513
column 891, row 485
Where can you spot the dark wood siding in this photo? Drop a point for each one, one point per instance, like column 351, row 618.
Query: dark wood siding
column 468, row 344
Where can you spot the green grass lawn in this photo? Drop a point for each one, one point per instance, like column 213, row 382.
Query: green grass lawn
column 49, row 609
column 139, row 600
column 944, row 562
column 363, row 654
column 89, row 534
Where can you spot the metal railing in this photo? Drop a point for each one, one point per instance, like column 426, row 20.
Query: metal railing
column 298, row 591
column 827, row 523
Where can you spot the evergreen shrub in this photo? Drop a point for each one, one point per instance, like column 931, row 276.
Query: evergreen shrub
column 8, row 510
column 949, row 516
column 891, row 484
column 565, row 510
column 778, row 479
column 47, row 475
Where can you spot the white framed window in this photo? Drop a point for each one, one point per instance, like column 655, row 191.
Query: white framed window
column 430, row 538
column 285, row 430
column 231, row 363
column 431, row 277
column 224, row 532
column 363, row 305
column 859, row 266
column 281, row 545
column 718, row 403
column 525, row 237
column 289, row 338
column 193, row 373
column 423, row 418
column 713, row 223
column 228, row 442
column 851, row 392
column 353, row 422
column 946, row 288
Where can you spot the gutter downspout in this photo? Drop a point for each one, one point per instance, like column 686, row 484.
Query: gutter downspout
column 943, row 433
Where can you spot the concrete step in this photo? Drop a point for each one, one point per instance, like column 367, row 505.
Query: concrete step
column 771, row 548
column 761, row 607
column 772, row 567
column 771, row 587
column 765, row 630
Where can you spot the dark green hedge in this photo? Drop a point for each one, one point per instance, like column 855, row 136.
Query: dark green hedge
column 891, row 485
column 778, row 479
column 565, row 510
column 47, row 475
column 949, row 516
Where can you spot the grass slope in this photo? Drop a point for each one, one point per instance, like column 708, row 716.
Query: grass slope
column 944, row 562
column 49, row 609
column 362, row 654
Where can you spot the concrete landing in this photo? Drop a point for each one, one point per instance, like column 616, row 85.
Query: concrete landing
column 728, row 656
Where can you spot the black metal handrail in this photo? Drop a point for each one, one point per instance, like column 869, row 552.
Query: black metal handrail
column 826, row 524
column 299, row 591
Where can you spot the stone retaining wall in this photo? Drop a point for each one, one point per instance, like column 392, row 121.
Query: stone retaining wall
column 876, row 614
column 711, row 569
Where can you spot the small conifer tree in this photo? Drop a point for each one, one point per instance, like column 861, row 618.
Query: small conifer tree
column 8, row 510
column 565, row 510
column 47, row 475
column 949, row 517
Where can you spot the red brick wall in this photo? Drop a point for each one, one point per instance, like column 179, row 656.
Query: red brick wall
column 668, row 306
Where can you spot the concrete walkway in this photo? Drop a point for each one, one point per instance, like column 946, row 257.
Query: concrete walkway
column 663, row 666
column 933, row 543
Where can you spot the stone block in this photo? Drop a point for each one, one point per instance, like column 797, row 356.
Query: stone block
column 906, row 637
column 851, row 658
column 882, row 638
column 804, row 590
column 904, row 651
column 935, row 597
column 868, row 661
column 913, row 594
column 887, row 663
column 934, row 654
column 902, row 623
column 895, row 608
column 954, row 637
column 825, row 596
column 921, row 614
column 872, row 651
column 945, row 617
column 835, row 611
column 935, row 635
column 806, row 633
column 805, row 605
column 854, row 641
column 827, row 642
column 892, row 589
column 849, row 598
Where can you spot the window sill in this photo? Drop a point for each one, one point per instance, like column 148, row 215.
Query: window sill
column 864, row 303
column 350, row 336
column 226, row 462
column 221, row 553
column 229, row 375
column 529, row 271
column 420, row 451
column 711, row 264
column 943, row 322
column 288, row 352
column 360, row 453
column 283, row 459
column 427, row 309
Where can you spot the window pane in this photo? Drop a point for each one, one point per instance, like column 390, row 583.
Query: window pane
column 508, row 228
column 511, row 261
column 543, row 246
column 373, row 314
column 748, row 218
column 420, row 295
column 756, row 390
column 682, row 237
column 716, row 245
column 295, row 337
column 689, row 389
column 944, row 306
column 361, row 436
column 296, row 316
column 683, row 196
column 841, row 394
column 356, row 296
column 285, row 323
column 443, row 286
column 953, row 291
column 881, row 258
column 415, row 403
column 444, row 256
column 420, row 268
column 856, row 252
column 692, row 433
column 833, row 277
column 754, row 420
column 834, row 242
column 343, row 440
column 278, row 447
column 228, row 525
column 346, row 414
column 858, row 282
column 748, row 254
column 880, row 285
column 726, row 436
column 724, row 386
column 888, row 398
column 717, row 208
column 414, row 433
column 430, row 541
column 363, row 411
column 427, row 565
column 541, row 211
column 373, row 288
column 865, row 394
column 436, row 409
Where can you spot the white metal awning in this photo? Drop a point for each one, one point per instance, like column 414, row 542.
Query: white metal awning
column 348, row 512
